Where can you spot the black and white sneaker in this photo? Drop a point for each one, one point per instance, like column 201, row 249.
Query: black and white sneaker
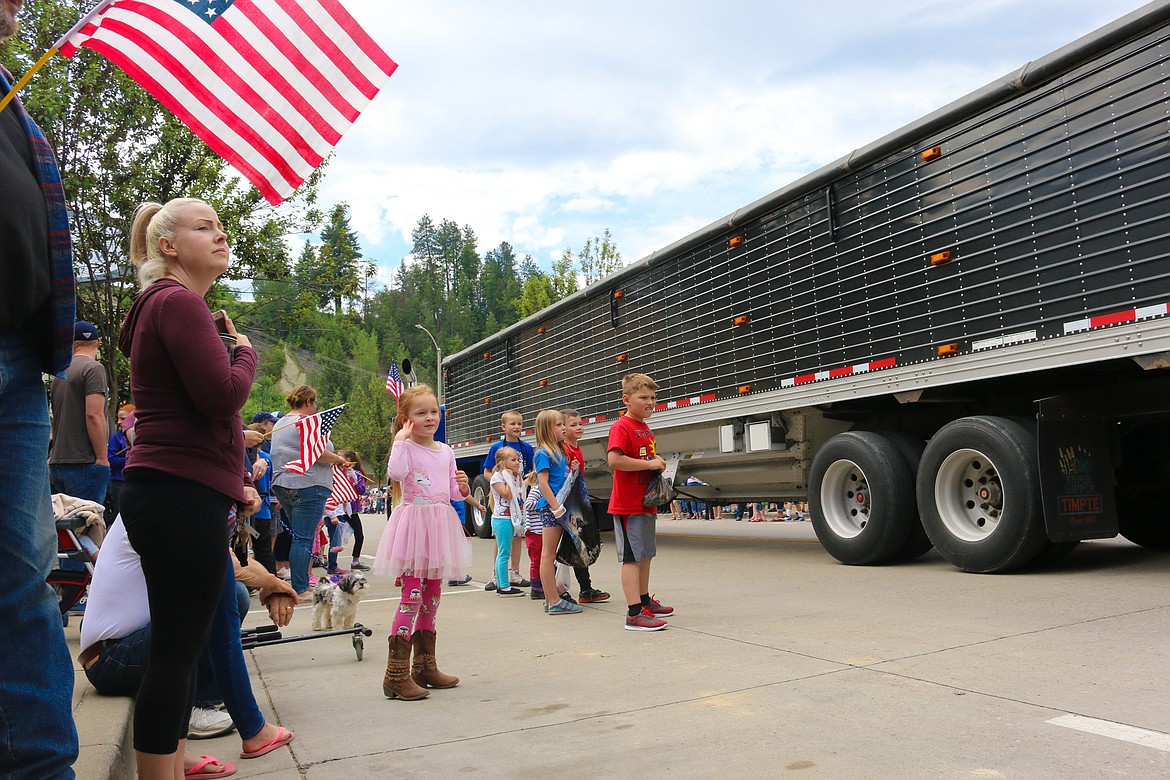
column 509, row 591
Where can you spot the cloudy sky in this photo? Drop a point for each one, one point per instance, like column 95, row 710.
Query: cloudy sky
column 542, row 123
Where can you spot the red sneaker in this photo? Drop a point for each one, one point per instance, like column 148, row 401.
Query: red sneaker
column 658, row 609
column 644, row 621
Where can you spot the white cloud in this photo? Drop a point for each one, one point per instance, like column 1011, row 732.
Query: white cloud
column 544, row 124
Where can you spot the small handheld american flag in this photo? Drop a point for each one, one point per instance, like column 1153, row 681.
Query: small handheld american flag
column 394, row 384
column 343, row 491
column 314, row 431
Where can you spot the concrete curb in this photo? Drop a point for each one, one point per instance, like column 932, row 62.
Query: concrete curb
column 103, row 723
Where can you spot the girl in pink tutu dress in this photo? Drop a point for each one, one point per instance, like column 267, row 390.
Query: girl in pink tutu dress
column 423, row 543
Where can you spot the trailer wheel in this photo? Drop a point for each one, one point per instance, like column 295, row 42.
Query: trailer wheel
column 979, row 494
column 481, row 522
column 910, row 447
column 862, row 498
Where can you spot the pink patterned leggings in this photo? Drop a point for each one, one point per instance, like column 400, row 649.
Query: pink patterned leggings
column 420, row 602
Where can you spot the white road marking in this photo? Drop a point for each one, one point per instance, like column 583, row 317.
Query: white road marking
column 1105, row 728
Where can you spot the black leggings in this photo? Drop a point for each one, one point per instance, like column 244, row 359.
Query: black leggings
column 359, row 538
column 179, row 529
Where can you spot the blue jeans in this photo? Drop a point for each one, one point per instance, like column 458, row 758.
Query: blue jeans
column 335, row 535
column 37, row 735
column 118, row 670
column 81, row 480
column 227, row 660
column 502, row 528
column 305, row 507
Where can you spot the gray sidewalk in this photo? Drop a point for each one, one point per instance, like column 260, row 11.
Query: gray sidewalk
column 104, row 723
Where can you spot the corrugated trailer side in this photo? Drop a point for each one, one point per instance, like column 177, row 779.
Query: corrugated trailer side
column 1049, row 203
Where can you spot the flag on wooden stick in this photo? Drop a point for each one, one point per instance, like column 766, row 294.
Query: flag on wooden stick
column 314, row 430
column 269, row 85
column 343, row 492
column 394, row 384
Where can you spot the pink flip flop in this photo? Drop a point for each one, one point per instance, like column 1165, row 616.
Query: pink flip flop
column 282, row 738
column 227, row 771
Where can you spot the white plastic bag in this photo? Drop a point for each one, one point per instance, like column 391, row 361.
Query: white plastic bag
column 564, row 577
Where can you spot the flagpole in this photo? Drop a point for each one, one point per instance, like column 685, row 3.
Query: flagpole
column 25, row 78
column 52, row 50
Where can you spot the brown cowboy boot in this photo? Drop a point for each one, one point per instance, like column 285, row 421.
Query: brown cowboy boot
column 397, row 684
column 424, row 668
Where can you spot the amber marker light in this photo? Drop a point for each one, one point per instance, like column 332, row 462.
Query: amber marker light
column 621, row 358
column 741, row 320
column 745, row 389
column 948, row 349
column 540, row 331
column 487, row 400
column 933, row 153
column 735, row 241
column 619, row 293
column 544, row 383
column 487, row 355
column 938, row 258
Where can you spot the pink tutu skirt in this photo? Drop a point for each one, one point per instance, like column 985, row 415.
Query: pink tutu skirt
column 424, row 541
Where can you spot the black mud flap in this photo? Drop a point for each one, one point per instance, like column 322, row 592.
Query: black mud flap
column 1076, row 478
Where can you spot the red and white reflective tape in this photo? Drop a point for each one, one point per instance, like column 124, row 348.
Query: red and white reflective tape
column 597, row 419
column 834, row 373
column 1117, row 318
column 699, row 399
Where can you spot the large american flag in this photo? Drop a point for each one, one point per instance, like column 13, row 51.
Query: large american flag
column 269, row 85
column 342, row 492
column 394, row 384
column 314, row 431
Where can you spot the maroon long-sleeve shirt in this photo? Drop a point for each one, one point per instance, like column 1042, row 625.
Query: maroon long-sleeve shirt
column 187, row 393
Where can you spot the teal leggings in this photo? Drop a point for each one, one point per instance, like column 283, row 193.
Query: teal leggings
column 502, row 528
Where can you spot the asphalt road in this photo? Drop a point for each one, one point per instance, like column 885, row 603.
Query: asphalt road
column 779, row 662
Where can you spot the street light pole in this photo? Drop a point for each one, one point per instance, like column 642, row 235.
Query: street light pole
column 438, row 364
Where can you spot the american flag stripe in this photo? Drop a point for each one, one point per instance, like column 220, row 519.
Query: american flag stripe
column 342, row 492
column 229, row 129
column 327, row 63
column 295, row 120
column 310, row 60
column 269, row 85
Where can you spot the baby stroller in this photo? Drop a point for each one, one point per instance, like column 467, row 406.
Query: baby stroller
column 69, row 581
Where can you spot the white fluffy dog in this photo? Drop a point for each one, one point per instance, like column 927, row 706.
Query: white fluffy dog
column 335, row 605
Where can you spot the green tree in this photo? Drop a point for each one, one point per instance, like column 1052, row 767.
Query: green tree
column 338, row 273
column 599, row 258
column 501, row 286
column 564, row 276
column 538, row 294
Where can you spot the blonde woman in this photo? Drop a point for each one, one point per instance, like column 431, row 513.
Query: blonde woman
column 185, row 470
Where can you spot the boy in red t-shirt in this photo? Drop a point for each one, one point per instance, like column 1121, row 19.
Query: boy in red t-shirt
column 573, row 430
column 633, row 458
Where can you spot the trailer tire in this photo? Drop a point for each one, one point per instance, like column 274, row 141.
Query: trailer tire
column 979, row 494
column 917, row 544
column 480, row 523
column 861, row 496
